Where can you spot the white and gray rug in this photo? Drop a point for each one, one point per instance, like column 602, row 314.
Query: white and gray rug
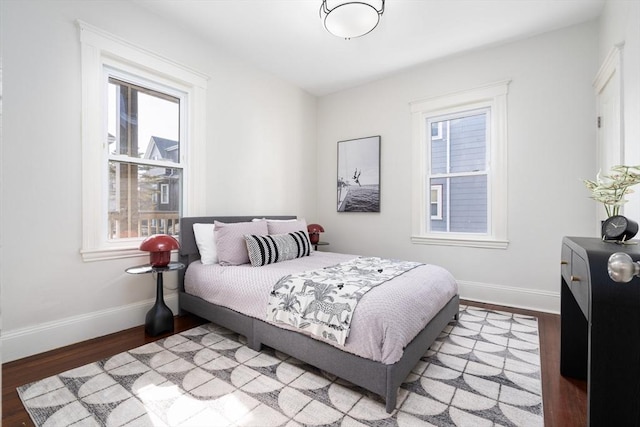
column 483, row 370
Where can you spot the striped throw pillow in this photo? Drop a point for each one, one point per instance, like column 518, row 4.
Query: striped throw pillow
column 274, row 248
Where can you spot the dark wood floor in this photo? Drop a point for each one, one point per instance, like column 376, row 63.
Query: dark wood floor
column 564, row 399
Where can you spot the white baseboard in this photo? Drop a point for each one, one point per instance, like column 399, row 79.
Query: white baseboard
column 529, row 299
column 25, row 342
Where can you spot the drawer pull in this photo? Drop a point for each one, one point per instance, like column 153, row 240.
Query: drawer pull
column 622, row 268
column 575, row 278
column 564, row 262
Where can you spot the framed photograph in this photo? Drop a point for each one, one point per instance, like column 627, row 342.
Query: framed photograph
column 359, row 175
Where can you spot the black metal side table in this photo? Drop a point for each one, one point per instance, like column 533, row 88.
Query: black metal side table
column 160, row 318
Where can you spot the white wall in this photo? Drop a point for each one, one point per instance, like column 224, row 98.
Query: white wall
column 620, row 23
column 551, row 113
column 50, row 297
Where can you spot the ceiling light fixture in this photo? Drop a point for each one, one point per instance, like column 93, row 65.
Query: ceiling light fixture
column 349, row 19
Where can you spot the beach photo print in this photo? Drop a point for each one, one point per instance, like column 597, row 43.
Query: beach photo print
column 359, row 175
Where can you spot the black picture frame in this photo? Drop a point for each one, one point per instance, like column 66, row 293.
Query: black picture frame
column 359, row 175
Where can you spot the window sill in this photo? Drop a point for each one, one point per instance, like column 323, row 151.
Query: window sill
column 104, row 254
column 89, row 255
column 468, row 242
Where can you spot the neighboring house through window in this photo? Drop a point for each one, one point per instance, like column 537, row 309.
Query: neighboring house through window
column 143, row 139
column 459, row 195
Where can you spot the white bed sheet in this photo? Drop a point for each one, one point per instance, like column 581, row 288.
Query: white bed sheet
column 386, row 319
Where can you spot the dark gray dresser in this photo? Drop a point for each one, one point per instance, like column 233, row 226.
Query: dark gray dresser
column 600, row 330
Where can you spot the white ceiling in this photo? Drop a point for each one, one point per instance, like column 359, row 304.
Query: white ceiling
column 287, row 38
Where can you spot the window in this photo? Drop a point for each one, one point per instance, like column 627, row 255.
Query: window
column 143, row 135
column 143, row 144
column 164, row 194
column 436, row 131
column 459, row 191
column 436, row 202
column 457, row 163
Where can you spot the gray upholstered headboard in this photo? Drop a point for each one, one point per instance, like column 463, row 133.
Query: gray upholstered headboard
column 188, row 251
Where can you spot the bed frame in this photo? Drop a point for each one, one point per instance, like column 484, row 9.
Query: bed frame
column 376, row 377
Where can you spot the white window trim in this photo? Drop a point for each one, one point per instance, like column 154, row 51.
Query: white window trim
column 100, row 49
column 493, row 96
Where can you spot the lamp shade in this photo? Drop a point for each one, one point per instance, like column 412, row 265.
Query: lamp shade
column 160, row 247
column 349, row 19
column 314, row 232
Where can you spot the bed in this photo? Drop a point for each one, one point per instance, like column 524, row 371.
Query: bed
column 378, row 376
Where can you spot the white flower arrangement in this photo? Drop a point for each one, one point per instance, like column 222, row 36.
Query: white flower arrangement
column 611, row 189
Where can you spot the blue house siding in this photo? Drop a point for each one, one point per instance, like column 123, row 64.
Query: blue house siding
column 469, row 204
column 468, row 148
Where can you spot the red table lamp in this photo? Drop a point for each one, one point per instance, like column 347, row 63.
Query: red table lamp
column 314, row 232
column 160, row 246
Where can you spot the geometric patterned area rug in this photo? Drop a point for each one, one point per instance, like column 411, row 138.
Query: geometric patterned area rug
column 484, row 369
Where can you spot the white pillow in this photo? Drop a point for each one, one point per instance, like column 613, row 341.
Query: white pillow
column 206, row 243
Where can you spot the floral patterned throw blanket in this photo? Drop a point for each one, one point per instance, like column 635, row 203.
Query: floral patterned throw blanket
column 322, row 301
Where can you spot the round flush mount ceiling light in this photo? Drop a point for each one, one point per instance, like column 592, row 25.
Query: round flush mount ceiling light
column 350, row 19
